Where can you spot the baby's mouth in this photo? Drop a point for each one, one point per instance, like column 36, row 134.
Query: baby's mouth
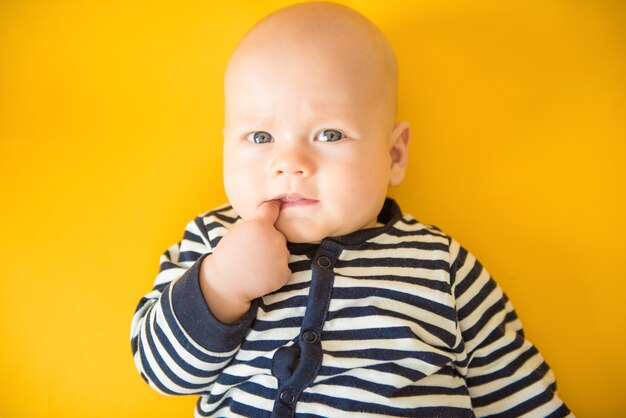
column 294, row 199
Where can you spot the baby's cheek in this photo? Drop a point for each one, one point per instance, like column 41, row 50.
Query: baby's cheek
column 243, row 187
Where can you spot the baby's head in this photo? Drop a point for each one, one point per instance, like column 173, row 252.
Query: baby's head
column 310, row 121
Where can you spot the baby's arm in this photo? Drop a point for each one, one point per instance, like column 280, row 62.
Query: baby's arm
column 178, row 343
column 504, row 372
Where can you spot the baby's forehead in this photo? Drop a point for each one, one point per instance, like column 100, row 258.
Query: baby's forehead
column 311, row 80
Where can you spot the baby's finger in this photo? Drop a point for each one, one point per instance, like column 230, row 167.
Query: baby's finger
column 268, row 211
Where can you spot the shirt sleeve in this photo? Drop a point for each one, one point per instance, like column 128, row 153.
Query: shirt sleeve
column 505, row 374
column 179, row 347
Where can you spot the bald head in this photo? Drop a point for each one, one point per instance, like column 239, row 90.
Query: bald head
column 318, row 43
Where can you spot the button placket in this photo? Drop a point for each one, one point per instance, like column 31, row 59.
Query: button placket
column 303, row 372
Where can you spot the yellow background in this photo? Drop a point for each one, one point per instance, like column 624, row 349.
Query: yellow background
column 110, row 124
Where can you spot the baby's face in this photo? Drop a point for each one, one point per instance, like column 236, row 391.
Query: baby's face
column 309, row 130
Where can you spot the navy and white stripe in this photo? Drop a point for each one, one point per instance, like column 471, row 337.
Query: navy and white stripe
column 391, row 321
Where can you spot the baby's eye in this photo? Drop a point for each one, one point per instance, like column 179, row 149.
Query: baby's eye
column 259, row 137
column 329, row 135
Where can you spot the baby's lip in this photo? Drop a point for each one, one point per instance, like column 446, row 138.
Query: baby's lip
column 292, row 198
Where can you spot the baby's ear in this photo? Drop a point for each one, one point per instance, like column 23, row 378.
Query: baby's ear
column 399, row 152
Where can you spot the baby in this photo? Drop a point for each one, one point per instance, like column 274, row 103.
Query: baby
column 311, row 293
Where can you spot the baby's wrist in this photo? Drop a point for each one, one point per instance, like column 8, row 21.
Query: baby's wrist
column 223, row 301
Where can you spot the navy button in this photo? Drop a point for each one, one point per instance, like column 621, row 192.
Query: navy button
column 324, row 262
column 310, row 336
column 288, row 396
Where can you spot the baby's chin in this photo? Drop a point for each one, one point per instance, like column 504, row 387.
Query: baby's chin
column 301, row 237
column 305, row 231
column 301, row 231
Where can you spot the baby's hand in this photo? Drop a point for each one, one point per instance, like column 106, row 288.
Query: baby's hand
column 250, row 261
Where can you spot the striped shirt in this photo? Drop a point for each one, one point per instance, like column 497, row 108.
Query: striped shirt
column 398, row 320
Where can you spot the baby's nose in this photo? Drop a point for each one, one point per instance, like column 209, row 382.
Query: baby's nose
column 293, row 162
